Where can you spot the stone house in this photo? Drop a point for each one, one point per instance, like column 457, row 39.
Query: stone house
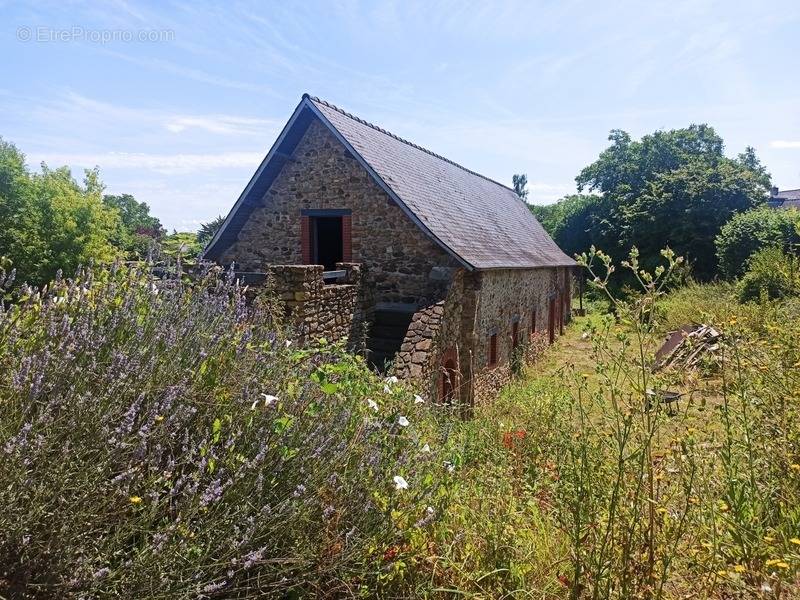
column 446, row 270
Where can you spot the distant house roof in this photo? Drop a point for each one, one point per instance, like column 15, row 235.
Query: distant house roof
column 784, row 198
column 484, row 224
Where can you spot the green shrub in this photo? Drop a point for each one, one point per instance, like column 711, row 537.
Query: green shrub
column 748, row 232
column 771, row 273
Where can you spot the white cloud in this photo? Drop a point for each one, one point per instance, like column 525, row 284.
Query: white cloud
column 784, row 144
column 160, row 163
column 223, row 124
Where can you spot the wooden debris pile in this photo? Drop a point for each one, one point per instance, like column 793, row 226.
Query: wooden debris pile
column 686, row 347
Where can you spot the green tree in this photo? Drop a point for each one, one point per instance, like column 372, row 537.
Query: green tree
column 574, row 222
column 181, row 244
column 50, row 221
column 209, row 230
column 139, row 231
column 748, row 232
column 671, row 189
column 520, row 183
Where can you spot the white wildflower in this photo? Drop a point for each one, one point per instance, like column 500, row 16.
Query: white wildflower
column 426, row 448
column 418, row 399
column 400, row 483
column 387, row 389
column 392, row 380
column 449, row 466
column 268, row 399
column 372, row 404
column 403, row 422
column 288, row 343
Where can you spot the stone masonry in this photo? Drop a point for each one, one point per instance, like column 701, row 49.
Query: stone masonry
column 319, row 310
column 404, row 264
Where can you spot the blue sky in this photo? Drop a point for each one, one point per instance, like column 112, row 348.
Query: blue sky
column 185, row 98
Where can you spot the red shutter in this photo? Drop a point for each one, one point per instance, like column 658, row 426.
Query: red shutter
column 347, row 239
column 305, row 239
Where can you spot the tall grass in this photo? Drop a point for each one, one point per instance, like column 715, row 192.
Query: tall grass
column 160, row 439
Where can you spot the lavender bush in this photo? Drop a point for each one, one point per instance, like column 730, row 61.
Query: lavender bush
column 162, row 439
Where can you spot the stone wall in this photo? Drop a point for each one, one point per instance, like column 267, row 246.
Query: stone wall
column 505, row 296
column 316, row 309
column 404, row 265
column 436, row 332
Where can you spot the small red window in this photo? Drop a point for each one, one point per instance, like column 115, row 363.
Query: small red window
column 493, row 350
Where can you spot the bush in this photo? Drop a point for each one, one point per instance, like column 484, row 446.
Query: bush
column 158, row 439
column 771, row 273
column 748, row 232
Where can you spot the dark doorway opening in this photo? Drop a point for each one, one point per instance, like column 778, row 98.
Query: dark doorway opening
column 328, row 246
column 551, row 320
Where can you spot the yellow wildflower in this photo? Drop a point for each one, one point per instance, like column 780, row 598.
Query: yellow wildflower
column 159, row 418
column 722, row 573
column 135, row 499
column 740, row 568
column 769, row 539
column 795, row 541
column 773, row 561
column 795, row 467
column 782, row 565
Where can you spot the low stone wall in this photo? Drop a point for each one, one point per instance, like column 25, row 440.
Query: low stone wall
column 316, row 309
column 419, row 349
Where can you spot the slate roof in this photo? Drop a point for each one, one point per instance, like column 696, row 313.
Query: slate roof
column 481, row 222
column 785, row 199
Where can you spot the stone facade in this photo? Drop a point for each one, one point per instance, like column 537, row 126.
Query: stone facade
column 405, row 265
column 318, row 310
column 505, row 297
column 457, row 310
column 478, row 305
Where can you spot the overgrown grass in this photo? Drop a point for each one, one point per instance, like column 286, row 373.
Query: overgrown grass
column 168, row 441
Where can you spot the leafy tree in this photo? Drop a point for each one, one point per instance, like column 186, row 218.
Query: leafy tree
column 748, row 232
column 209, row 230
column 520, row 183
column 181, row 244
column 138, row 230
column 50, row 221
column 573, row 222
column 670, row 189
